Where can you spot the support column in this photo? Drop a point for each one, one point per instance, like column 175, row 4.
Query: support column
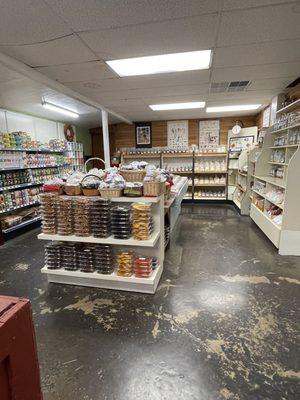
column 105, row 134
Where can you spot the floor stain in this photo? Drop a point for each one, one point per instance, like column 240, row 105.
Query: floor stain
column 244, row 278
column 21, row 267
column 289, row 280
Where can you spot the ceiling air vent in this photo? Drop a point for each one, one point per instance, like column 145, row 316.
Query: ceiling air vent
column 223, row 87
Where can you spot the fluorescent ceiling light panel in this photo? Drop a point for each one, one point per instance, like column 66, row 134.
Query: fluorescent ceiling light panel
column 60, row 110
column 187, row 61
column 243, row 107
column 178, row 106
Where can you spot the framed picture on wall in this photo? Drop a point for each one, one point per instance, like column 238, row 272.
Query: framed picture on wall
column 143, row 134
column 178, row 134
column 209, row 133
column 237, row 144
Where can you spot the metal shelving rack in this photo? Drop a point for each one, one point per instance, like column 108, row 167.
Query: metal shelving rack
column 3, row 189
column 154, row 247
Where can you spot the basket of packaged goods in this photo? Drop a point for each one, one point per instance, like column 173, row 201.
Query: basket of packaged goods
column 133, row 175
column 90, row 185
column 72, row 185
column 133, row 189
column 112, row 184
column 153, row 189
column 134, row 172
column 156, row 181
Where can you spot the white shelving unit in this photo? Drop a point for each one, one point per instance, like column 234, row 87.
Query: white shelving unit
column 180, row 164
column 245, row 171
column 286, row 237
column 154, row 247
column 233, row 162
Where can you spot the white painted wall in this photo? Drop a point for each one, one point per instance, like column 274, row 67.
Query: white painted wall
column 39, row 129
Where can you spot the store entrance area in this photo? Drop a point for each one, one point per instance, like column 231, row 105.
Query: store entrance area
column 221, row 325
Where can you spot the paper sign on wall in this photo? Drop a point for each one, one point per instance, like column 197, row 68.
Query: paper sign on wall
column 178, row 134
column 209, row 133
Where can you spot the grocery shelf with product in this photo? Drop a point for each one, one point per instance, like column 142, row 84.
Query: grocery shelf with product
column 276, row 186
column 25, row 165
column 115, row 243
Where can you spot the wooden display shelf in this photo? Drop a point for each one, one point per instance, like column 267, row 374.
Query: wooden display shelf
column 286, row 128
column 210, row 154
column 209, row 184
column 266, row 198
column 269, row 227
column 209, row 198
column 289, row 107
column 132, row 156
column 211, row 172
column 284, row 146
column 273, row 181
column 277, row 163
column 181, row 172
column 179, row 155
column 113, row 281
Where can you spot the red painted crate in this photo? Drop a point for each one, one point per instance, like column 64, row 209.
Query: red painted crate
column 19, row 368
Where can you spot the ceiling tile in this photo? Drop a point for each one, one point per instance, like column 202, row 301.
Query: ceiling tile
column 238, row 4
column 92, row 14
column 66, row 50
column 256, row 72
column 30, row 21
column 79, row 72
column 258, row 25
column 255, row 54
column 277, row 83
column 141, row 82
column 235, row 98
column 196, row 33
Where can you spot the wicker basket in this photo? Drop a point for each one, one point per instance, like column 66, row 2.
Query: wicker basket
column 153, row 189
column 108, row 193
column 133, row 175
column 90, row 191
column 72, row 190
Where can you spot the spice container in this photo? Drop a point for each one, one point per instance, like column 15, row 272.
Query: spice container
column 100, row 210
column 121, row 222
column 64, row 216
column 103, row 259
column 142, row 221
column 85, row 260
column 68, row 256
column 125, row 263
column 52, row 255
column 81, row 206
column 48, row 212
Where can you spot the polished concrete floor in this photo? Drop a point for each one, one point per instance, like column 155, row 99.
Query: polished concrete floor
column 222, row 325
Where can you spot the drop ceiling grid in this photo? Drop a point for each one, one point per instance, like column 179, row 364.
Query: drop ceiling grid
column 172, row 25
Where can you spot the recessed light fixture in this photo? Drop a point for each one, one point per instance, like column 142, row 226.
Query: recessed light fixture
column 243, row 107
column 178, row 106
column 60, row 110
column 187, row 61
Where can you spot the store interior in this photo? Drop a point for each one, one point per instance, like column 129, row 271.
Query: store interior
column 149, row 199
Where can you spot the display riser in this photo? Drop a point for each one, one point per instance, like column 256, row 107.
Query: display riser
column 154, row 247
column 130, row 284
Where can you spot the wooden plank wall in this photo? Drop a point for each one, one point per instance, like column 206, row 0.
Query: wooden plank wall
column 123, row 135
